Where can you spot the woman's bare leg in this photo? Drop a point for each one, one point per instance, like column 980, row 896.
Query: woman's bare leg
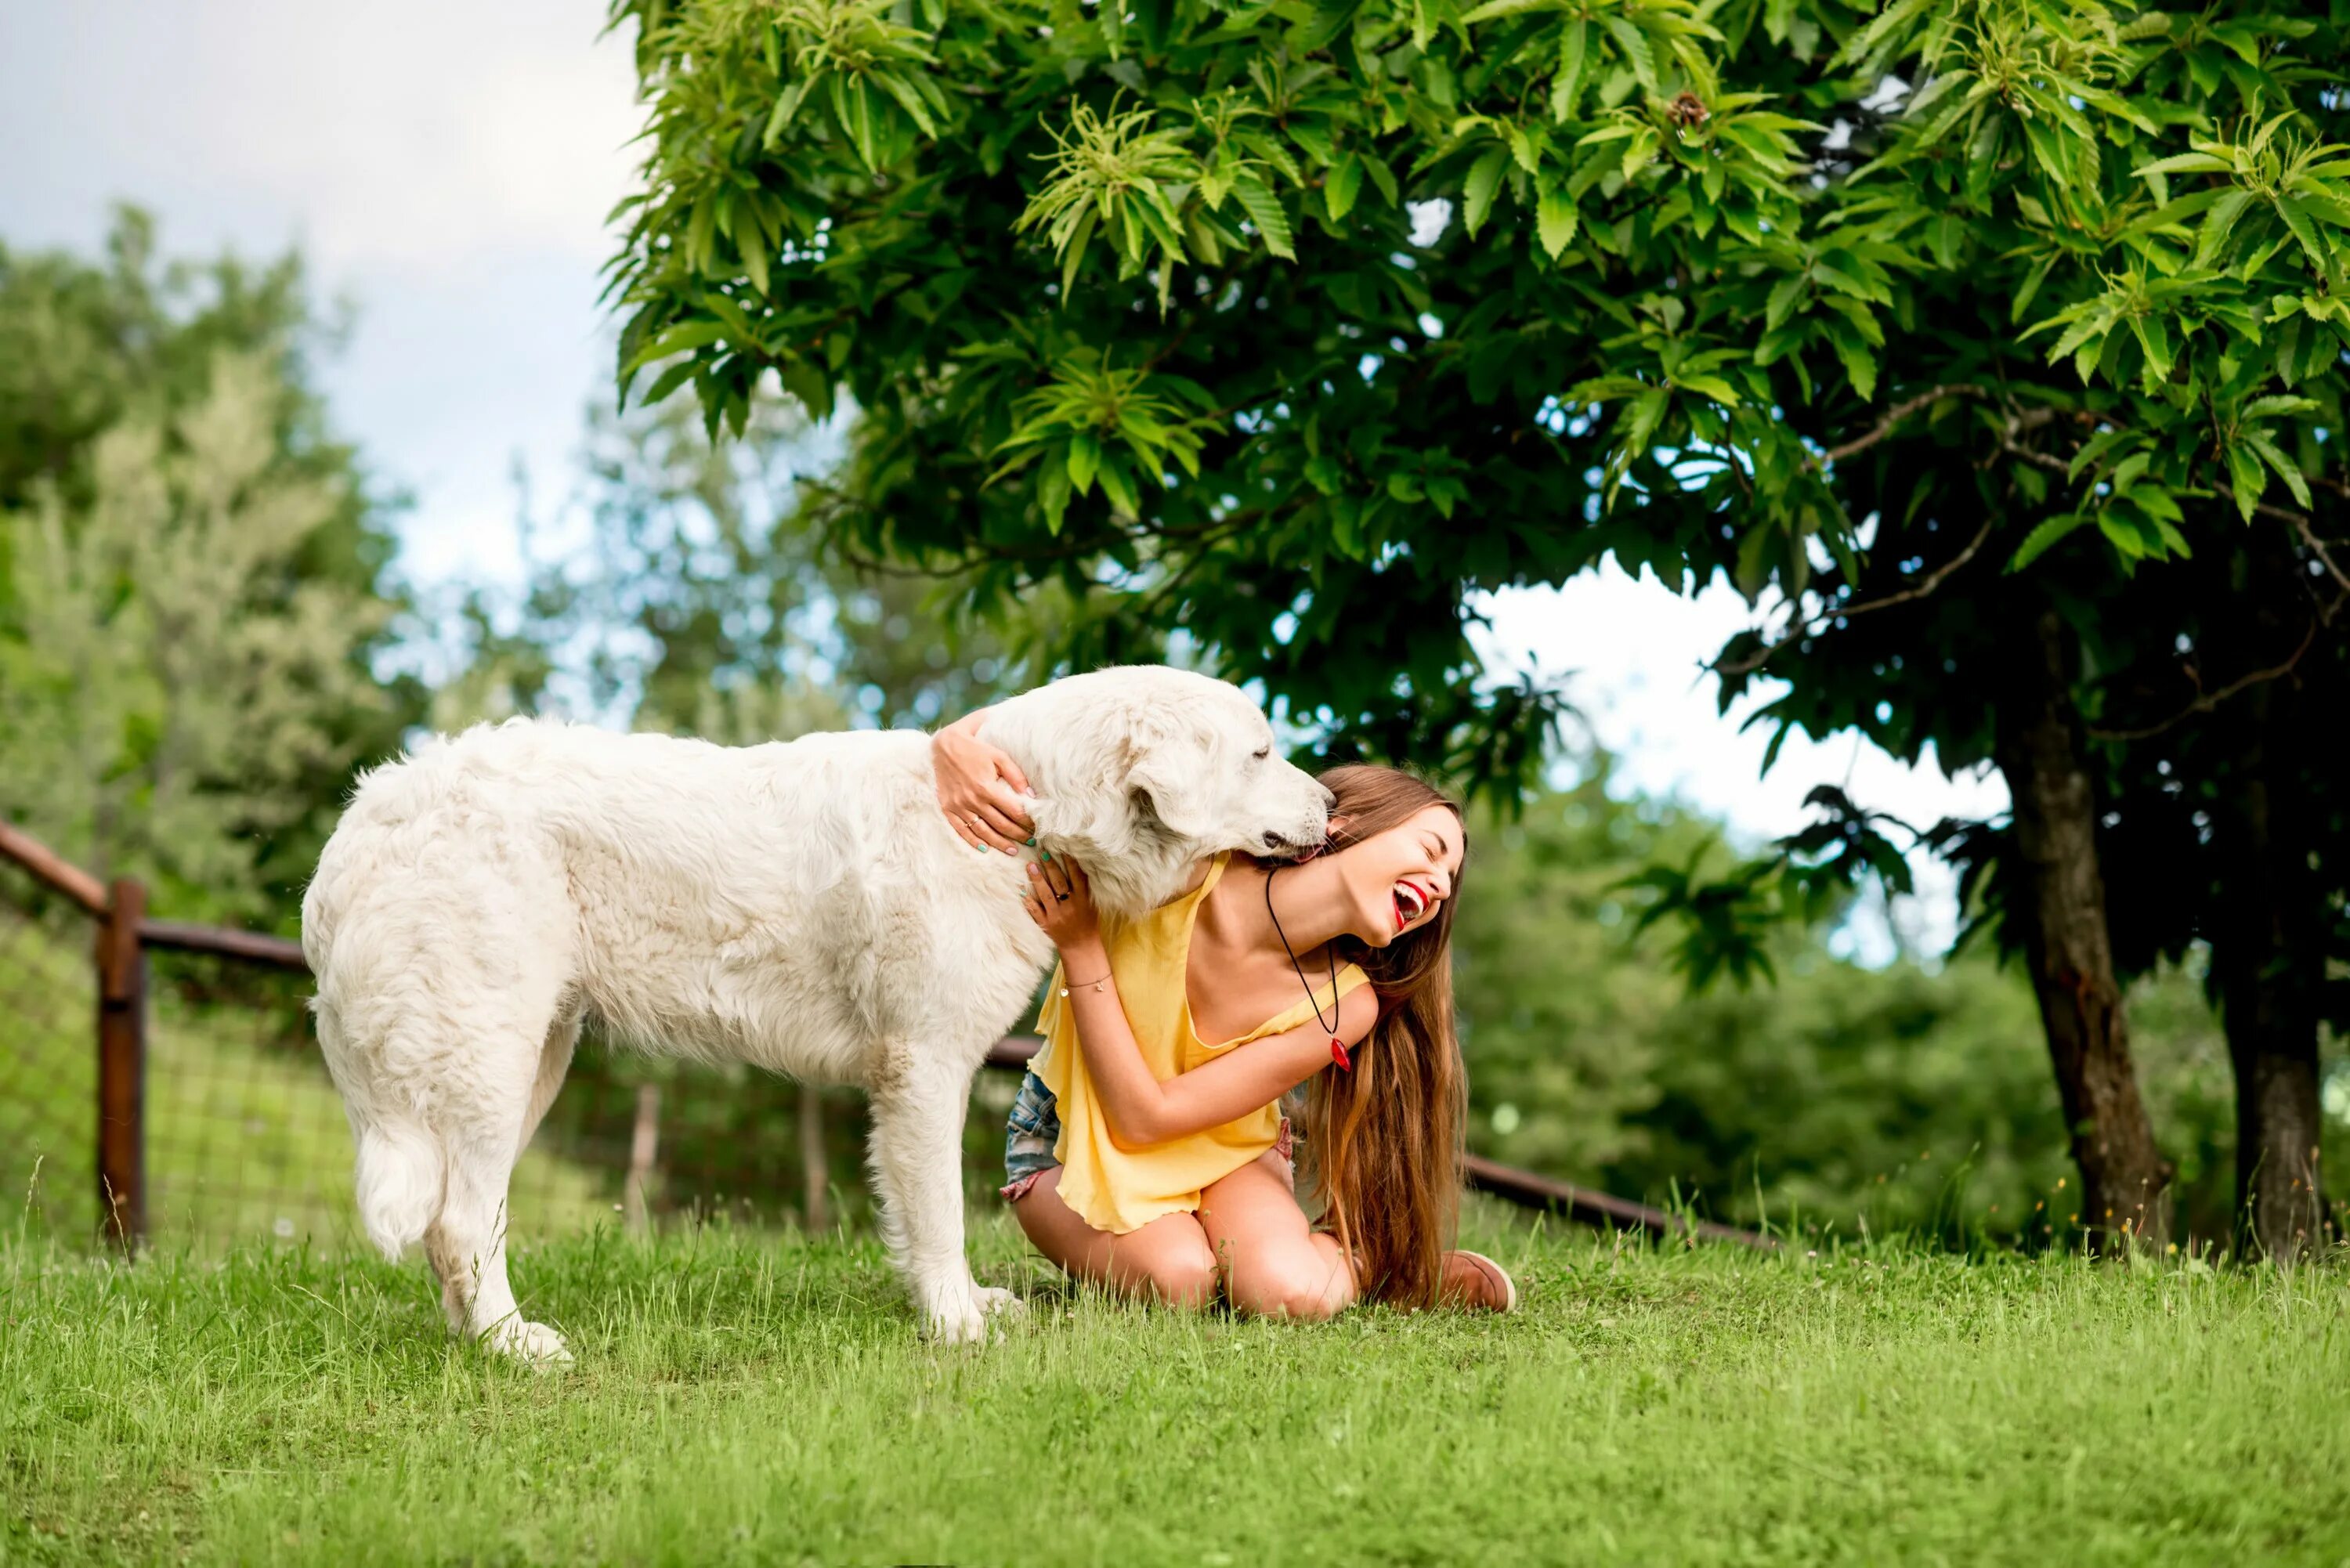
column 1273, row 1264
column 1167, row 1260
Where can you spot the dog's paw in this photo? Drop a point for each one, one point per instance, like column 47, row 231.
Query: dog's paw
column 531, row 1343
column 966, row 1321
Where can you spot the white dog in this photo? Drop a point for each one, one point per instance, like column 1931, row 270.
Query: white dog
column 803, row 907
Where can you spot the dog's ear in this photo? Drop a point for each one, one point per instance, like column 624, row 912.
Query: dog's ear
column 1174, row 784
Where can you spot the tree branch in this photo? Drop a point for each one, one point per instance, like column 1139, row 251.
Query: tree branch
column 1917, row 590
column 2210, row 700
column 1895, row 415
column 2302, row 525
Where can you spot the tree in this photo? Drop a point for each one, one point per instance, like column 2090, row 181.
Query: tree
column 1155, row 301
column 2195, row 365
column 194, row 576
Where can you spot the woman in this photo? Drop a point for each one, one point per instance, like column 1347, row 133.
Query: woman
column 1142, row 1157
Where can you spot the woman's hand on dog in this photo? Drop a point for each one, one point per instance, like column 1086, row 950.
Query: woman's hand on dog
column 1061, row 902
column 980, row 788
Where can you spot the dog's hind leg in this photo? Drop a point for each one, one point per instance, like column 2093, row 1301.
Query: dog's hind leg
column 467, row 1245
column 916, row 1153
column 554, row 1062
column 482, row 1136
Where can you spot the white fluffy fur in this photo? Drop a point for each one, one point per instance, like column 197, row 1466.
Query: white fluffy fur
column 803, row 907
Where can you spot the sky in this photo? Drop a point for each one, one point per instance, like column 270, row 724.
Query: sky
column 447, row 169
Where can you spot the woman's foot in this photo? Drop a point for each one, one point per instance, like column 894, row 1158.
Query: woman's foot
column 1474, row 1282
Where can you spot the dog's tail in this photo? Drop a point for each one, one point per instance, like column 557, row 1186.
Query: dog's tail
column 400, row 1171
column 402, row 1167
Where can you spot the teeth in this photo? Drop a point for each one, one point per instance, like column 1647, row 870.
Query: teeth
column 1409, row 897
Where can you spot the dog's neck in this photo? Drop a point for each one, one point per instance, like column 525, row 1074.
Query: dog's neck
column 1135, row 862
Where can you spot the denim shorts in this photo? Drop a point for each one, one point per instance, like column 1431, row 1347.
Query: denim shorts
column 1034, row 1127
column 1029, row 1134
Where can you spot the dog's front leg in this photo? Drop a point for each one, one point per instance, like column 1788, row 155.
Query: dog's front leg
column 917, row 1154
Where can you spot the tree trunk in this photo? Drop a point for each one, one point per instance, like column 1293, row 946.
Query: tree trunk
column 2062, row 905
column 2268, row 947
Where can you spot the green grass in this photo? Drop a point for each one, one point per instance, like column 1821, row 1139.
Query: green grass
column 760, row 1399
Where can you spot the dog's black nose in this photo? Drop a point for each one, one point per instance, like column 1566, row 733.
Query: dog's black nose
column 1275, row 841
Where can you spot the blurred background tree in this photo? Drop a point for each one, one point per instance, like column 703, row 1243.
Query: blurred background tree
column 195, row 575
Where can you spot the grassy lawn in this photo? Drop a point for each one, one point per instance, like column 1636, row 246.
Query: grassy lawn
column 760, row 1399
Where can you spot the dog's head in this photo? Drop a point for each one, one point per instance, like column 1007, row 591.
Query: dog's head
column 1141, row 770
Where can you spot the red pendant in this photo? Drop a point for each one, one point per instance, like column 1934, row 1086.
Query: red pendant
column 1338, row 1053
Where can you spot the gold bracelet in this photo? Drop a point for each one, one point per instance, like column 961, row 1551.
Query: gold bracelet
column 1094, row 985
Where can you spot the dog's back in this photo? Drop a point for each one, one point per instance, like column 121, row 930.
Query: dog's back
column 694, row 896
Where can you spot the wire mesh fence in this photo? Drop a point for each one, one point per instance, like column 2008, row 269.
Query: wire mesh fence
column 48, row 1066
column 246, row 1141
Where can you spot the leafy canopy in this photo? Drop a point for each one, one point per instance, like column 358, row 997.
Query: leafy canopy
column 1287, row 328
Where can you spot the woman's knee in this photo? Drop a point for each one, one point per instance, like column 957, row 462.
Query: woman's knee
column 1182, row 1276
column 1305, row 1286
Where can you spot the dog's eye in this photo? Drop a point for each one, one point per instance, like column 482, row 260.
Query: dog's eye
column 1260, row 754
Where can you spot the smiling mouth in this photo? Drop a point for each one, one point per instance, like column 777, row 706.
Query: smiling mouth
column 1410, row 903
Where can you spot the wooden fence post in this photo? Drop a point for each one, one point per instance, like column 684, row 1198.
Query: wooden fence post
column 816, row 1171
column 644, row 1148
column 122, row 1067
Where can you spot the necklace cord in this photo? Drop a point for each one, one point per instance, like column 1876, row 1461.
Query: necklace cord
column 1329, row 1025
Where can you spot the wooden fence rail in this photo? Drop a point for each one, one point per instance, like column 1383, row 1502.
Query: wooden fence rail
column 125, row 934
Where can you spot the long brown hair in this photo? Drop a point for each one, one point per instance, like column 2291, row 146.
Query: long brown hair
column 1384, row 1141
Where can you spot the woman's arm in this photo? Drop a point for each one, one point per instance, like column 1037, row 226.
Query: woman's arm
column 1141, row 1109
column 980, row 787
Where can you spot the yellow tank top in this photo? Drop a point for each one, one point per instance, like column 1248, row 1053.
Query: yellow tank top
column 1122, row 1190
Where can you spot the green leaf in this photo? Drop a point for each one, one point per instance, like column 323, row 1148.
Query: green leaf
column 1272, row 152
column 668, row 381
column 1383, row 177
column 2031, row 286
column 1074, row 255
column 1264, row 208
column 1637, row 53
column 2155, row 339
column 1554, row 222
column 2185, row 163
column 2037, row 543
column 1639, row 151
column 2219, row 223
column 755, row 254
column 1713, row 386
column 1339, row 189
column 1084, row 461
column 2295, row 213
column 1119, row 487
column 787, row 104
column 676, row 339
column 2122, row 532
column 1522, row 146
column 1052, row 495
column 1567, row 85
column 2286, row 469
column 1484, row 181
column 1859, row 366
column 1782, row 305
column 2247, row 478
